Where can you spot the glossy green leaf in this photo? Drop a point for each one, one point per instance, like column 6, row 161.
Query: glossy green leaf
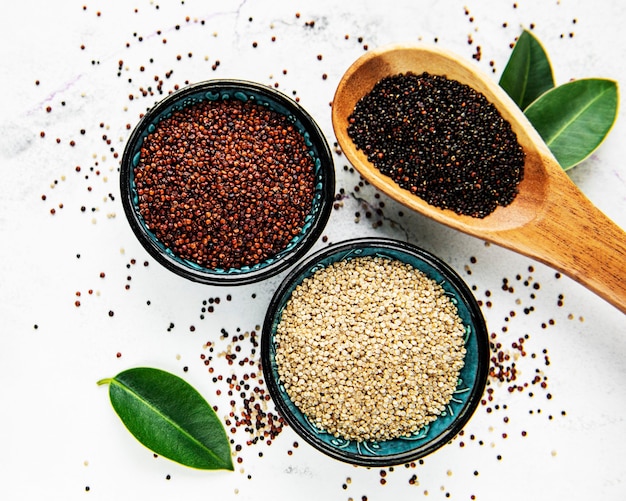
column 528, row 73
column 170, row 417
column 573, row 119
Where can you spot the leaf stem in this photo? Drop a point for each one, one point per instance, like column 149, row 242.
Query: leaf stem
column 104, row 381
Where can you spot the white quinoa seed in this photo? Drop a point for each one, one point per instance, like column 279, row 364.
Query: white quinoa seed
column 370, row 349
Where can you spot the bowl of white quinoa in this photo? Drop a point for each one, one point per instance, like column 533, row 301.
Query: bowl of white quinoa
column 375, row 352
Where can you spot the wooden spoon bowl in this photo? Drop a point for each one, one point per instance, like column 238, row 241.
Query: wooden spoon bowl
column 550, row 219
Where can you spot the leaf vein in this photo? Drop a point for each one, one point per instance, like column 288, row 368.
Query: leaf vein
column 557, row 133
column 166, row 419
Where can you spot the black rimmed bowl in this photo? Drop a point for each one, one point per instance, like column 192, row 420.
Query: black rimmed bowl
column 245, row 91
column 472, row 377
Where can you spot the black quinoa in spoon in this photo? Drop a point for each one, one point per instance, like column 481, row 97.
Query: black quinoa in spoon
column 441, row 140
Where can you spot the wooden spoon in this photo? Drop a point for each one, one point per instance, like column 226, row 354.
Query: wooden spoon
column 550, row 220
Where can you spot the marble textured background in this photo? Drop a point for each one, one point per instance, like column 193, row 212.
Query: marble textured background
column 84, row 60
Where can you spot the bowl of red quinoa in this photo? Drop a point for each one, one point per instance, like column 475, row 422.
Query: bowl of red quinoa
column 375, row 352
column 227, row 182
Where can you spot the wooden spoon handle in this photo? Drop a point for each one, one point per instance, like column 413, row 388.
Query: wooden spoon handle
column 571, row 235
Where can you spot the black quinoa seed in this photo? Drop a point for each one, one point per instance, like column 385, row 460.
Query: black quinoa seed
column 441, row 140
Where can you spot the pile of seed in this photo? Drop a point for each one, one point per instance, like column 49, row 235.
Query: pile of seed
column 370, row 349
column 441, row 140
column 225, row 184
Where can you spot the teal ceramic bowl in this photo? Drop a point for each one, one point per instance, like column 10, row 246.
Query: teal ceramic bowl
column 223, row 90
column 471, row 382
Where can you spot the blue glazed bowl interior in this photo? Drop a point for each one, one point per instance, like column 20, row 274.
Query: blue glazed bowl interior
column 220, row 90
column 472, row 378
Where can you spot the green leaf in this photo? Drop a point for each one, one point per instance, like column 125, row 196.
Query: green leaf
column 573, row 119
column 528, row 73
column 170, row 417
